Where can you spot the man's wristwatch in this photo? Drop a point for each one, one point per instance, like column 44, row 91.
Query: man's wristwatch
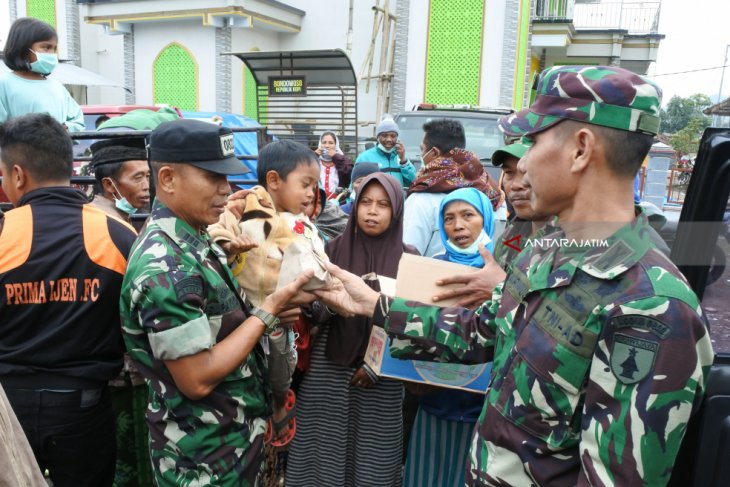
column 271, row 322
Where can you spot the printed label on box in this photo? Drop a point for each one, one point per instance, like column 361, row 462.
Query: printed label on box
column 473, row 378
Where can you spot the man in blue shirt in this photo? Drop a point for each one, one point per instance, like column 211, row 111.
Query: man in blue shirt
column 390, row 153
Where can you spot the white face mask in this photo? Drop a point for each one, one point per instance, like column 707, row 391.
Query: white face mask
column 473, row 248
column 121, row 203
column 387, row 151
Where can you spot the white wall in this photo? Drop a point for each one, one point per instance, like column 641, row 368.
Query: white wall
column 246, row 40
column 417, row 51
column 492, row 49
column 4, row 20
column 103, row 54
column 151, row 38
column 325, row 27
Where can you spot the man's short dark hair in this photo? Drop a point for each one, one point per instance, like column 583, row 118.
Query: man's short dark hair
column 444, row 134
column 23, row 34
column 283, row 156
column 39, row 144
column 112, row 170
column 625, row 151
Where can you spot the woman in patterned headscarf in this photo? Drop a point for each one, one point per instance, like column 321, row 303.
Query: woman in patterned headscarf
column 445, row 168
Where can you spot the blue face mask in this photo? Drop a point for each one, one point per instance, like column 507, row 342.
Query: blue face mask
column 472, row 249
column 121, row 203
column 45, row 63
column 387, row 151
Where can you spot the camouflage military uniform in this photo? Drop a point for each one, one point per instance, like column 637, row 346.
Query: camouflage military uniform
column 505, row 254
column 586, row 387
column 181, row 299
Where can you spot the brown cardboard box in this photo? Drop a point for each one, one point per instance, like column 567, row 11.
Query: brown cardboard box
column 417, row 281
column 417, row 278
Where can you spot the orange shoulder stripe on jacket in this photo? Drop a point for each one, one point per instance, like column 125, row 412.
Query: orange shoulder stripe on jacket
column 16, row 238
column 98, row 243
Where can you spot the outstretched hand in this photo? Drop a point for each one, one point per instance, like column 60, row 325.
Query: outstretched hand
column 237, row 202
column 240, row 244
column 349, row 297
column 476, row 287
column 290, row 296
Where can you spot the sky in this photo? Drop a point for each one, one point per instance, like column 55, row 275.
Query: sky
column 697, row 33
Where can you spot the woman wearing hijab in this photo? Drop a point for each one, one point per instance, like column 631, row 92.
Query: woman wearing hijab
column 349, row 421
column 334, row 166
column 446, row 167
column 445, row 421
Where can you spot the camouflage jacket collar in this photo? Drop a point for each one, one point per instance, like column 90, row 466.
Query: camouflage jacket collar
column 179, row 231
column 625, row 248
column 603, row 259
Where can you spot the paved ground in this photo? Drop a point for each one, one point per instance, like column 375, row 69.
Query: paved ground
column 716, row 303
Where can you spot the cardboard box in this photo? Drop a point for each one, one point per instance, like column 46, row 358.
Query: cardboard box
column 474, row 378
column 411, row 284
column 417, row 278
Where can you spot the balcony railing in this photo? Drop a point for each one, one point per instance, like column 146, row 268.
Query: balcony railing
column 636, row 17
column 554, row 10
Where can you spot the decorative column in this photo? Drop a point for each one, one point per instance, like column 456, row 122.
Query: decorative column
column 400, row 68
column 223, row 75
column 130, row 97
column 73, row 34
column 509, row 51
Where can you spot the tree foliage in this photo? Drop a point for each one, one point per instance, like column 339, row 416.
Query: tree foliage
column 683, row 118
column 680, row 111
column 687, row 140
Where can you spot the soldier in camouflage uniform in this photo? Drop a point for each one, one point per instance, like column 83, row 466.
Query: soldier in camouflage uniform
column 186, row 325
column 601, row 354
column 525, row 221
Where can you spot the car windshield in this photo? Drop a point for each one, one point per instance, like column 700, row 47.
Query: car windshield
column 482, row 134
column 82, row 146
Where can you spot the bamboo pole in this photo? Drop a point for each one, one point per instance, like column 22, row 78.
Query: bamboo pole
column 371, row 49
column 382, row 65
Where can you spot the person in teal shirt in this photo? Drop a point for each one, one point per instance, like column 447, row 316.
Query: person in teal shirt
column 30, row 52
column 390, row 153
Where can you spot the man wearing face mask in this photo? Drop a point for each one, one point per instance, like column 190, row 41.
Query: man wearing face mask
column 122, row 176
column 122, row 188
column 390, row 153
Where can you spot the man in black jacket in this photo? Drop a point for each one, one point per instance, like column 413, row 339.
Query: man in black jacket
column 61, row 268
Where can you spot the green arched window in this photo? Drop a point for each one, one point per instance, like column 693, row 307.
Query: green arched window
column 176, row 78
column 44, row 10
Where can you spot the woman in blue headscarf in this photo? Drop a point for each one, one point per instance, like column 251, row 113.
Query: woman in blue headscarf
column 466, row 220
column 441, row 434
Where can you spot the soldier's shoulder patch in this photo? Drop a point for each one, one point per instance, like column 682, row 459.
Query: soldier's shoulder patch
column 632, row 358
column 189, row 285
column 658, row 328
